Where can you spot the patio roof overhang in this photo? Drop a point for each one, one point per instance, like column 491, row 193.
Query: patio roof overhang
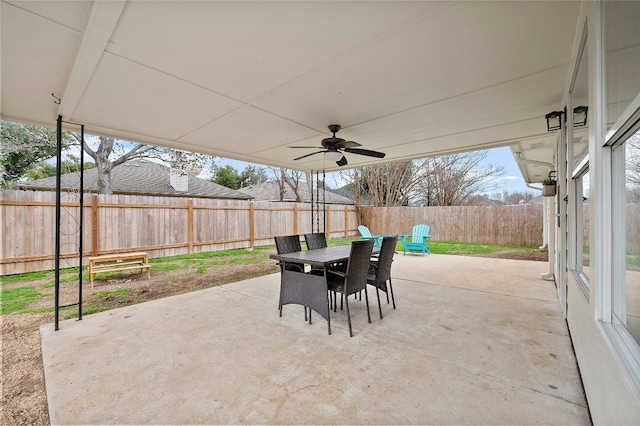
column 245, row 80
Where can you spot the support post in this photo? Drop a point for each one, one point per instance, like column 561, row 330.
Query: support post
column 94, row 225
column 58, row 214
column 346, row 221
column 252, row 225
column 81, row 242
column 190, row 226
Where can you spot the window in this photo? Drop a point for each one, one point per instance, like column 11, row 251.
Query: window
column 622, row 47
column 626, row 283
column 581, row 231
column 622, row 61
column 578, row 151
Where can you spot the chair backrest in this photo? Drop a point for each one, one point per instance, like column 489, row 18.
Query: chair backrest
column 316, row 240
column 358, row 266
column 289, row 244
column 364, row 231
column 383, row 271
column 419, row 232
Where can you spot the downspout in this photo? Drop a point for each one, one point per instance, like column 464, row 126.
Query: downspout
column 548, row 228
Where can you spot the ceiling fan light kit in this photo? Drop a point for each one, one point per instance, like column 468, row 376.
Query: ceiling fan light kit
column 334, row 147
column 333, row 156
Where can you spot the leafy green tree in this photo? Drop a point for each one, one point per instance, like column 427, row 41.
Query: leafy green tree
column 226, row 176
column 22, row 146
column 252, row 175
column 44, row 169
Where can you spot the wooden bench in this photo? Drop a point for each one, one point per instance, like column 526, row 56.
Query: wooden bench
column 118, row 262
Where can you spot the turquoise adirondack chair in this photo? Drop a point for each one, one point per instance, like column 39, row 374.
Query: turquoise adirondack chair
column 417, row 241
column 365, row 234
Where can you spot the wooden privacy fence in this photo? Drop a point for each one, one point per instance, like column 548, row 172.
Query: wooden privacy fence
column 517, row 225
column 161, row 226
column 167, row 226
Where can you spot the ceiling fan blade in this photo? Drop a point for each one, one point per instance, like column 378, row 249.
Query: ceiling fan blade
column 317, row 147
column 342, row 161
column 347, row 144
column 366, row 152
column 308, row 155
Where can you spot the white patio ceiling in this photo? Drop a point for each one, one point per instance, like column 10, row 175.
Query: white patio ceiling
column 244, row 80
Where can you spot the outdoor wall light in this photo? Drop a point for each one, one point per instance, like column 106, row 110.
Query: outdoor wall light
column 580, row 116
column 549, row 185
column 333, row 156
column 554, row 120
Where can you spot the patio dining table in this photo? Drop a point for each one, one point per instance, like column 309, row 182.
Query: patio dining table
column 307, row 289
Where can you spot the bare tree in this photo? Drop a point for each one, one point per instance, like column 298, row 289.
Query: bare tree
column 455, row 179
column 516, row 197
column 291, row 178
column 388, row 184
column 110, row 153
column 633, row 165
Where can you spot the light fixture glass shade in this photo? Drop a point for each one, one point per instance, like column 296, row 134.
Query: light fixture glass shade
column 580, row 116
column 549, row 188
column 333, row 156
column 554, row 120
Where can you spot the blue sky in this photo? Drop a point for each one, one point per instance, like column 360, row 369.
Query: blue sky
column 511, row 181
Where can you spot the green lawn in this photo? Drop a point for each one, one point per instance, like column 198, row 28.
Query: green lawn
column 35, row 286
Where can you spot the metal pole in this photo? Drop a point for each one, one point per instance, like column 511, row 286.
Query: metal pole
column 324, row 202
column 81, row 222
column 312, row 203
column 58, row 183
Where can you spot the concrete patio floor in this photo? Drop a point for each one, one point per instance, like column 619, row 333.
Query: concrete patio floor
column 472, row 341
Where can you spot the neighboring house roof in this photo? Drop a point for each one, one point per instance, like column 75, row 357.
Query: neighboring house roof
column 139, row 178
column 270, row 191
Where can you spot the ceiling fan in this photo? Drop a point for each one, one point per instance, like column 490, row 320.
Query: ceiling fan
column 335, row 147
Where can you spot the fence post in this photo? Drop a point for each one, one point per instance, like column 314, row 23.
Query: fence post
column 190, row 225
column 327, row 220
column 295, row 218
column 252, row 224
column 94, row 225
column 346, row 221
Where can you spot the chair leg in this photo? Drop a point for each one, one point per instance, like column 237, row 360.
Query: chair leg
column 349, row 317
column 379, row 306
column 366, row 299
column 392, row 298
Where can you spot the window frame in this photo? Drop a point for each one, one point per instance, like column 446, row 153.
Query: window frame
column 577, row 258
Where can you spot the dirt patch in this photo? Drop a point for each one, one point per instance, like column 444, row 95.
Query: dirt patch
column 24, row 400
column 23, row 389
column 517, row 254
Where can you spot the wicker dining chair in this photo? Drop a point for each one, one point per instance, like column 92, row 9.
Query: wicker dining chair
column 289, row 244
column 315, row 240
column 354, row 279
column 380, row 270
